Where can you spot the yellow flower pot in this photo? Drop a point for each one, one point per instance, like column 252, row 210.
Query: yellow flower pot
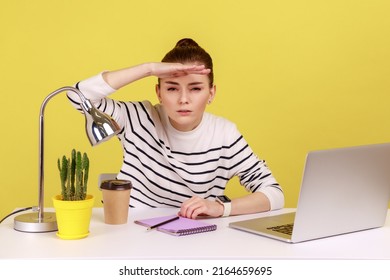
column 73, row 217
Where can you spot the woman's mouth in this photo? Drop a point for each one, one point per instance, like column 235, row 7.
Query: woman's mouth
column 184, row 112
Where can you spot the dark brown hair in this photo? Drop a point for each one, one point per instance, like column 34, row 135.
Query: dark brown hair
column 188, row 51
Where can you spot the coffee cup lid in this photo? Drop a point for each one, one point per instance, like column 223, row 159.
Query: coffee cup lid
column 116, row 185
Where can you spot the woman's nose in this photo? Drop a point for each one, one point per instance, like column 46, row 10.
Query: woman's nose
column 184, row 97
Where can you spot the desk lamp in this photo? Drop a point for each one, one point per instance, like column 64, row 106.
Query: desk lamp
column 99, row 127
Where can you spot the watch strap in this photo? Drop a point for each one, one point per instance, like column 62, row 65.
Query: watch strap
column 227, row 208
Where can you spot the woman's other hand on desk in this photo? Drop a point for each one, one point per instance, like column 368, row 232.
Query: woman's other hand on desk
column 248, row 204
column 196, row 206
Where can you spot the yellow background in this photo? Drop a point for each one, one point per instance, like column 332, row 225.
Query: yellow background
column 294, row 75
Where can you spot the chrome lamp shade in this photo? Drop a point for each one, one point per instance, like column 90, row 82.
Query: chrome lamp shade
column 98, row 125
column 99, row 128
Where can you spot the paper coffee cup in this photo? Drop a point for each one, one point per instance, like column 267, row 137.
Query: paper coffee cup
column 116, row 198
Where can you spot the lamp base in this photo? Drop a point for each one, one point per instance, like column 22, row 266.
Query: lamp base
column 31, row 223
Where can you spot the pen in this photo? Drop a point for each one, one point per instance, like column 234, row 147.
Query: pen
column 163, row 223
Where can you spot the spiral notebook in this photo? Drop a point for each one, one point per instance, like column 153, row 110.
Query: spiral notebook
column 179, row 227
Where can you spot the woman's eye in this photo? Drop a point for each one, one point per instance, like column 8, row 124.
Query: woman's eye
column 171, row 89
column 196, row 89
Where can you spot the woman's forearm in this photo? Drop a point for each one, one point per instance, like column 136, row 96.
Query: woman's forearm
column 122, row 77
column 251, row 203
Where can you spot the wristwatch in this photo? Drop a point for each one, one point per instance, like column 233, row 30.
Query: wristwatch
column 227, row 204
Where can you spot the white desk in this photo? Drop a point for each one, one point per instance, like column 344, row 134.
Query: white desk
column 131, row 241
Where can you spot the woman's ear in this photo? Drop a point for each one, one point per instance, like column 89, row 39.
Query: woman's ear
column 157, row 88
column 213, row 91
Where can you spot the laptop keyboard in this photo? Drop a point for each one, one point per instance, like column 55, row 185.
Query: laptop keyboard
column 286, row 229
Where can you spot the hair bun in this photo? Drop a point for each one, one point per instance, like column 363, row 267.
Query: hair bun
column 187, row 51
column 186, row 42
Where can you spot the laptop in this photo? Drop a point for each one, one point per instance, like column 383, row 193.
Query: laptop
column 343, row 190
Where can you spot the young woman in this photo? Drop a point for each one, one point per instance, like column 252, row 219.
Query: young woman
column 176, row 154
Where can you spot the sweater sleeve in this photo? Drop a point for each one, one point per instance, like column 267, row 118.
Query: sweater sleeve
column 94, row 88
column 254, row 173
column 259, row 178
column 275, row 196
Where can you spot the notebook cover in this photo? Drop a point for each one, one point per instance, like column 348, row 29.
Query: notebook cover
column 182, row 226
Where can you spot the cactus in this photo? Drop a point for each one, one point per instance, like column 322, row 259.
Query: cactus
column 74, row 176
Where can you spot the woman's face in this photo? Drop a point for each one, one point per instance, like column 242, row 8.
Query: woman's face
column 185, row 99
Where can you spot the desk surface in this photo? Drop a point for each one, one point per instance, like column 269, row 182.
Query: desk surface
column 131, row 241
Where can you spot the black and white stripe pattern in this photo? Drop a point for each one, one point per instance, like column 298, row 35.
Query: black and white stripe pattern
column 167, row 167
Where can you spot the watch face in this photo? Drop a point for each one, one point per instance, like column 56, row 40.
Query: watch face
column 223, row 198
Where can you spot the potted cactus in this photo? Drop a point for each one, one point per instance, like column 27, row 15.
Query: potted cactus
column 73, row 206
column 74, row 176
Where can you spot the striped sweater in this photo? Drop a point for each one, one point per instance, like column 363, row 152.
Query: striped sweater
column 166, row 166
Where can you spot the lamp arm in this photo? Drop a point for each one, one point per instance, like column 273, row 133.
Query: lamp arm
column 99, row 127
column 86, row 105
